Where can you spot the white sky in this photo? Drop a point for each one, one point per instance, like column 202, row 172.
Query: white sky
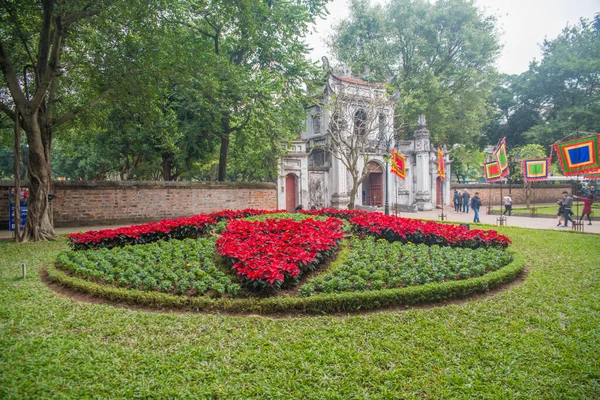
column 523, row 25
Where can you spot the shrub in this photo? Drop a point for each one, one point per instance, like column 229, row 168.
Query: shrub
column 178, row 266
column 376, row 264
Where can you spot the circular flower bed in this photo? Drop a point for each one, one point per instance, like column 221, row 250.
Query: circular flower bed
column 269, row 261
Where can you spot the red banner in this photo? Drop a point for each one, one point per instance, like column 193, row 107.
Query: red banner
column 398, row 164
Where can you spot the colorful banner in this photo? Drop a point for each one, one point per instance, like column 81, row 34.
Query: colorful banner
column 398, row 164
column 578, row 156
column 502, row 157
column 491, row 171
column 441, row 165
column 536, row 169
column 593, row 174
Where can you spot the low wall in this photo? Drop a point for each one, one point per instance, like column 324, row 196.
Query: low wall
column 96, row 203
column 541, row 193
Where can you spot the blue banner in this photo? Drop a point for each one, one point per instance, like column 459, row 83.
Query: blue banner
column 11, row 217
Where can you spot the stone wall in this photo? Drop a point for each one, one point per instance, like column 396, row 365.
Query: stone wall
column 541, row 193
column 96, row 203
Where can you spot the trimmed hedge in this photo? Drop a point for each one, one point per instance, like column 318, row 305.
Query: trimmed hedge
column 319, row 304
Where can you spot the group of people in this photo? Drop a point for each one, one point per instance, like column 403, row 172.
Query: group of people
column 462, row 203
column 565, row 208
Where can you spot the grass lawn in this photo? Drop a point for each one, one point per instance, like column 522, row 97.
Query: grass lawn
column 548, row 209
column 539, row 339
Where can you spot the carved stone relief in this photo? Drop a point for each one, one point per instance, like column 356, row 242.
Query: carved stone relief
column 316, row 189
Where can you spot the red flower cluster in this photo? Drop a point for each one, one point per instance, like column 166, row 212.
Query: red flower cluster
column 180, row 228
column 417, row 231
column 267, row 253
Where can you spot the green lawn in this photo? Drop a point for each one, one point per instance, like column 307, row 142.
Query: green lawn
column 539, row 339
column 548, row 209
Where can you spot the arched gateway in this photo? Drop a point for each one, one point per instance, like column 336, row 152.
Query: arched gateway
column 310, row 174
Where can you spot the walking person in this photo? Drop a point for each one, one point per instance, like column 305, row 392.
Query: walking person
column 466, row 196
column 587, row 207
column 561, row 212
column 507, row 205
column 568, row 205
column 455, row 199
column 475, row 204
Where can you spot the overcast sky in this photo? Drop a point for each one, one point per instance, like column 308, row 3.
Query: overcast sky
column 523, row 24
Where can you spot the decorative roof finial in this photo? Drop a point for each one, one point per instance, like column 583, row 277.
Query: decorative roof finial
column 421, row 123
column 326, row 66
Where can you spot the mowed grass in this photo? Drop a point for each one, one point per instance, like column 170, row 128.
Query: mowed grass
column 538, row 339
column 545, row 209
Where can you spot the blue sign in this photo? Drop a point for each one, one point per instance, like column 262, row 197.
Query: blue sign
column 11, row 217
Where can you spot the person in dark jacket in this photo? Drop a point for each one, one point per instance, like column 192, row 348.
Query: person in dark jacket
column 466, row 196
column 475, row 204
column 568, row 205
column 455, row 199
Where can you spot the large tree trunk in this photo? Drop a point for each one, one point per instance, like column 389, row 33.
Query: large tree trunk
column 38, row 225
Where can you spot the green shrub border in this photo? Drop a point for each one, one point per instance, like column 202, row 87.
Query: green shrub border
column 319, row 304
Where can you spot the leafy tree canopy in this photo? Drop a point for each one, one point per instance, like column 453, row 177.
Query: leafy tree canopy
column 438, row 57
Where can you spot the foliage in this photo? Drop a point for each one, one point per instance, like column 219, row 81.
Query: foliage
column 512, row 112
column 317, row 304
column 564, row 86
column 181, row 228
column 467, row 163
column 437, row 56
column 267, row 254
column 406, row 230
column 375, row 264
column 257, row 67
column 556, row 98
column 177, row 266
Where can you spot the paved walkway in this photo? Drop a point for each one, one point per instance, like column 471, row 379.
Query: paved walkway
column 520, row 221
column 452, row 216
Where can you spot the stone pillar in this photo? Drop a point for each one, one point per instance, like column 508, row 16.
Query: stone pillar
column 339, row 196
column 422, row 167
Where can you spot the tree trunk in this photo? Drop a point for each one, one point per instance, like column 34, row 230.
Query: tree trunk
column 166, row 167
column 223, row 156
column 17, row 173
column 351, row 204
column 38, row 226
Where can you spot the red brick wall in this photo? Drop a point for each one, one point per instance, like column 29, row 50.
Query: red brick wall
column 92, row 203
column 540, row 194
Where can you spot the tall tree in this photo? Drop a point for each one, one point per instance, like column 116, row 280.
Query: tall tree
column 259, row 57
column 64, row 49
column 35, row 104
column 565, row 85
column 467, row 162
column 438, row 56
column 512, row 112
